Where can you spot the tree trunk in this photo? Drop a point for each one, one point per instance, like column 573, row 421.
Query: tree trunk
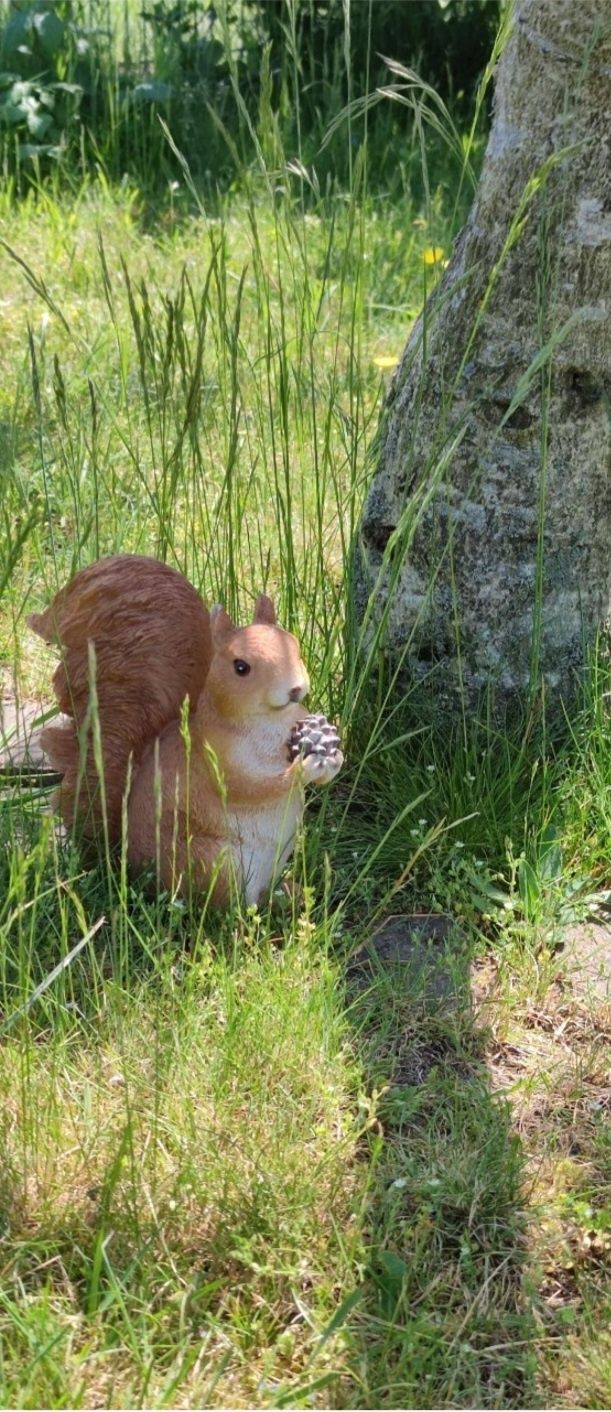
column 495, row 443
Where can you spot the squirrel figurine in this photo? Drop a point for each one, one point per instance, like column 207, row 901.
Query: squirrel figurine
column 215, row 799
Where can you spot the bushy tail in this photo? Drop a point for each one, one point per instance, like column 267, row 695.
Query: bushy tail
column 151, row 638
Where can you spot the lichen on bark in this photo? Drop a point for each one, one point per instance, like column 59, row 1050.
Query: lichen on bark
column 504, row 577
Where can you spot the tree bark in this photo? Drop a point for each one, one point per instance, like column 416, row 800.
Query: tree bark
column 495, row 441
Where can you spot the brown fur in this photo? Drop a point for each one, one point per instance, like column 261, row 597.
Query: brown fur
column 151, row 635
column 223, row 806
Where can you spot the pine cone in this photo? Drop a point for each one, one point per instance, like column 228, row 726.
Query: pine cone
column 313, row 736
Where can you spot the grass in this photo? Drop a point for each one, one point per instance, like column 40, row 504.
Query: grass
column 233, row 1172
column 187, row 1183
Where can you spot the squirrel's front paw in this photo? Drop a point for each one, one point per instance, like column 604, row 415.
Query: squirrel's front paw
column 321, row 769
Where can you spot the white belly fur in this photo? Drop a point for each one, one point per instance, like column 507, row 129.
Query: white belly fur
column 264, row 840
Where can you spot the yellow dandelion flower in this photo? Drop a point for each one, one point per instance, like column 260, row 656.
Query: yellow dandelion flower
column 385, row 360
column 432, row 255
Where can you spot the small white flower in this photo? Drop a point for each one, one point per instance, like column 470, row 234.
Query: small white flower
column 431, row 769
column 422, row 823
column 458, row 843
column 471, row 779
column 414, row 832
column 399, row 1183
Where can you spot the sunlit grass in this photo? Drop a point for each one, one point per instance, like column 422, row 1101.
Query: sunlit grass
column 229, row 1175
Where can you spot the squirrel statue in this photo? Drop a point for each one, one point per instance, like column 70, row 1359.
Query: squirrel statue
column 214, row 798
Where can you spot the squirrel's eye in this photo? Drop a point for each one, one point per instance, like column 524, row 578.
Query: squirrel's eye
column 242, row 668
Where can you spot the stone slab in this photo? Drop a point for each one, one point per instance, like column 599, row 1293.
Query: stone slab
column 20, row 729
column 587, row 959
column 419, row 946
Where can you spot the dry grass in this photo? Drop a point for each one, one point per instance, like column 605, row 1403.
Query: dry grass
column 552, row 1059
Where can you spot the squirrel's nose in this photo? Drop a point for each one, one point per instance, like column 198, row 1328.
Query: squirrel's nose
column 297, row 693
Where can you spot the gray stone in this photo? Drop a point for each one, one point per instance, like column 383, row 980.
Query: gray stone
column 416, row 968
column 587, row 960
column 423, row 947
column 20, row 748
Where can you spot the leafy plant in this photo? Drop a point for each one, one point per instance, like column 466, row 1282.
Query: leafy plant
column 79, row 80
column 189, row 43
column 41, row 49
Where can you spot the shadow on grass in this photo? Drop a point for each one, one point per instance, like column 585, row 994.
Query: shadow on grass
column 445, row 1320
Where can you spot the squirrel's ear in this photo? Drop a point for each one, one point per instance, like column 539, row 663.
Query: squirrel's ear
column 220, row 623
column 264, row 610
